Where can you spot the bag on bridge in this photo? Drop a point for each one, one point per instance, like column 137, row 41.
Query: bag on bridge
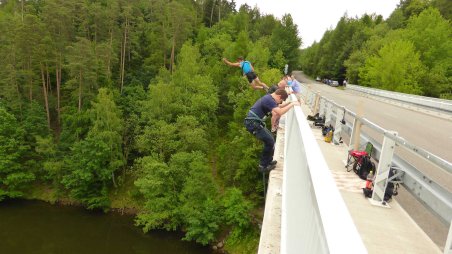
column 313, row 118
column 326, row 129
column 392, row 186
column 363, row 167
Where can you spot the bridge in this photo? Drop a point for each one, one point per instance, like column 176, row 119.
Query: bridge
column 313, row 205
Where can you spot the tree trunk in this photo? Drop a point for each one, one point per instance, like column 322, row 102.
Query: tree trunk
column 22, row 3
column 113, row 179
column 31, row 80
column 219, row 10
column 49, row 85
column 123, row 52
column 211, row 12
column 58, row 81
column 164, row 44
column 109, row 55
column 172, row 54
column 46, row 99
column 80, row 91
column 19, row 97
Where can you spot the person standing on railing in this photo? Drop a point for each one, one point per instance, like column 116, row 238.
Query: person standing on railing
column 248, row 71
column 295, row 85
column 255, row 124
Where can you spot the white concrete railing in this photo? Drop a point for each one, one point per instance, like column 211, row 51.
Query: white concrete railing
column 434, row 103
column 314, row 218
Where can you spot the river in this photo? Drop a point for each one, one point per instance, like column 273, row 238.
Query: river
column 38, row 227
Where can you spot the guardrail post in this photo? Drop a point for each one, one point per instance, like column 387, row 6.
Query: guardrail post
column 448, row 246
column 322, row 107
column 384, row 165
column 311, row 100
column 329, row 111
column 356, row 135
column 338, row 126
column 316, row 103
column 305, row 93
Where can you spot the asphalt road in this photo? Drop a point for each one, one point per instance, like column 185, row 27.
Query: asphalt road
column 422, row 130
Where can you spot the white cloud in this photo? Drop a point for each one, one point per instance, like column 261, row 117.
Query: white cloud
column 314, row 17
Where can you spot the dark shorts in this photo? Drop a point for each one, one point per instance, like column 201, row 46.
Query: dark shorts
column 251, row 76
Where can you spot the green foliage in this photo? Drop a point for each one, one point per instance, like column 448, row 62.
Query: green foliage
column 13, row 176
column 430, row 34
column 87, row 175
column 180, row 194
column 285, row 38
column 361, row 50
column 271, row 76
column 396, row 67
column 199, row 209
column 76, row 126
column 237, row 212
column 52, row 165
column 94, row 160
column 101, row 94
column 159, row 185
column 203, row 223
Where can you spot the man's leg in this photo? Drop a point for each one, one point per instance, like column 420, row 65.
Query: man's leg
column 275, row 121
column 257, row 84
column 269, row 146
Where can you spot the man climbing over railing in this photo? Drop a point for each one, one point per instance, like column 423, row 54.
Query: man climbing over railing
column 255, row 124
column 248, row 71
column 282, row 84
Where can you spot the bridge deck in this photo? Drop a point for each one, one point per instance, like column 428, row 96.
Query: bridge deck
column 383, row 230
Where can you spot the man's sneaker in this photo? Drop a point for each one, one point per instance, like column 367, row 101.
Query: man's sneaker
column 266, row 169
column 272, row 162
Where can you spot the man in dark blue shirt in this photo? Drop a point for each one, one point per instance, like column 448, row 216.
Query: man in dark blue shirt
column 248, row 71
column 254, row 123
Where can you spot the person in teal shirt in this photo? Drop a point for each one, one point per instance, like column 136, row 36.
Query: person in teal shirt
column 248, row 71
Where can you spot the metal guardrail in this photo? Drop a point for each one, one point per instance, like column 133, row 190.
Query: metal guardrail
column 434, row 103
column 432, row 195
column 311, row 201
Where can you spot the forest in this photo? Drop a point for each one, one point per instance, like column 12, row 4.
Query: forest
column 126, row 105
column 409, row 52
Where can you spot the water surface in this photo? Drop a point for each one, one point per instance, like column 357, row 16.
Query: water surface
column 38, row 227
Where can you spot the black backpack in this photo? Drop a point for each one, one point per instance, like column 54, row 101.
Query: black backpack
column 363, row 169
column 391, row 188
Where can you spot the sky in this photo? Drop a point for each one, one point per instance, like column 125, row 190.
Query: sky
column 314, row 17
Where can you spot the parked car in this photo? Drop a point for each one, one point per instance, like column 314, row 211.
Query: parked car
column 334, row 83
column 317, row 79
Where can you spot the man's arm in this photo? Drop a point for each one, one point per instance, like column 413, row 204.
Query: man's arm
column 283, row 105
column 281, row 111
column 231, row 64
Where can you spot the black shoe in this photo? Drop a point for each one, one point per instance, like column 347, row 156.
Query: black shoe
column 266, row 169
column 273, row 162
